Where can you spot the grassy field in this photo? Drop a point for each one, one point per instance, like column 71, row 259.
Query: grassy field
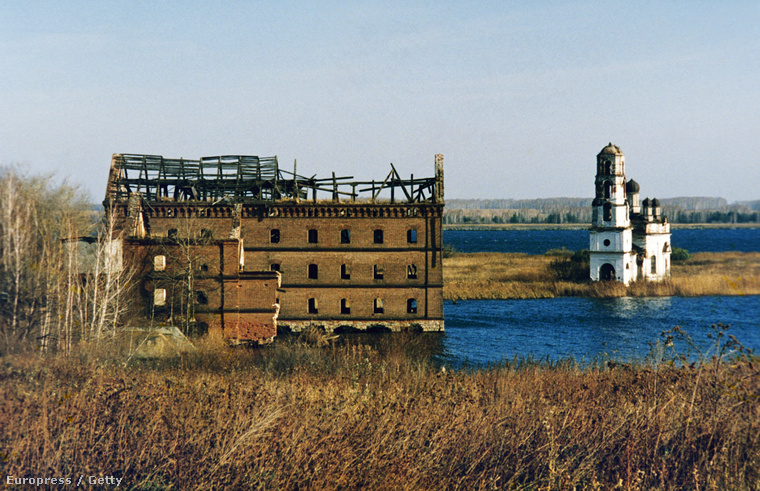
column 311, row 414
column 502, row 276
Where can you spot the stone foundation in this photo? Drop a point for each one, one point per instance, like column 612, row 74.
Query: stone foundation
column 342, row 326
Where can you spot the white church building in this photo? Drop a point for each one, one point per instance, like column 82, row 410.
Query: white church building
column 629, row 240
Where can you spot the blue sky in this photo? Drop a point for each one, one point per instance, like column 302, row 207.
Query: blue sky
column 518, row 96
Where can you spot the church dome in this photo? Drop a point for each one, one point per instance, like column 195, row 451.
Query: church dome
column 632, row 187
column 645, row 203
column 611, row 149
column 655, row 202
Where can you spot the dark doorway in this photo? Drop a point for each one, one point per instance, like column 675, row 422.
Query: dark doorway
column 607, row 272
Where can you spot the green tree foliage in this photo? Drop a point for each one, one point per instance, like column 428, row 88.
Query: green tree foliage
column 679, row 254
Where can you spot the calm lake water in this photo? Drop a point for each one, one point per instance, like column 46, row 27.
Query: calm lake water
column 483, row 332
column 540, row 241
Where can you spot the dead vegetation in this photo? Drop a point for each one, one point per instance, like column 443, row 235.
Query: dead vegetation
column 352, row 416
column 508, row 275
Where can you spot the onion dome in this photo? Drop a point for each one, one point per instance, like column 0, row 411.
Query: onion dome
column 655, row 202
column 645, row 203
column 611, row 149
column 632, row 187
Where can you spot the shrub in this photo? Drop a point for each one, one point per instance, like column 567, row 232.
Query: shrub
column 679, row 254
column 571, row 266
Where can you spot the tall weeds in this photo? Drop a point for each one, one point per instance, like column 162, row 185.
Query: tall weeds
column 504, row 276
column 349, row 415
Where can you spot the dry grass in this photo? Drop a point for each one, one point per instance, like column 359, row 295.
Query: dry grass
column 350, row 416
column 503, row 276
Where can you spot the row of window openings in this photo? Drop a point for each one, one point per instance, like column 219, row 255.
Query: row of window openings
column 159, row 299
column 159, row 264
column 377, row 304
column 378, row 271
column 345, row 236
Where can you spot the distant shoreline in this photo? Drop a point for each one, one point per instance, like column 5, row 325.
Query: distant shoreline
column 582, row 226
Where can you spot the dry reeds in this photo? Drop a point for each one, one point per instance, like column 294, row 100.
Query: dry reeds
column 505, row 276
column 351, row 416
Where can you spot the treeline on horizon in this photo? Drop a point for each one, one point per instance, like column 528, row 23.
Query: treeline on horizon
column 578, row 210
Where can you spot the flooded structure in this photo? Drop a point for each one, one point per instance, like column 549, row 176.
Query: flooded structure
column 629, row 240
column 239, row 244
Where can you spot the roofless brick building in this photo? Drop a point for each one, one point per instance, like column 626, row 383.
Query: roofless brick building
column 236, row 243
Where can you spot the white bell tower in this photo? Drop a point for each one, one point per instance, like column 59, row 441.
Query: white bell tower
column 611, row 237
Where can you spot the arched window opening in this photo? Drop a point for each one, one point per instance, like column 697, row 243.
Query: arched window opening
column 607, row 272
column 607, row 212
column 654, row 264
column 313, row 307
column 411, row 306
column 608, row 168
column 607, row 190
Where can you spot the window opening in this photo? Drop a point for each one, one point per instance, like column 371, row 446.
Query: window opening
column 345, row 272
column 274, row 267
column 159, row 263
column 378, row 236
column 378, row 271
column 159, row 297
column 201, row 297
column 607, row 212
column 274, row 236
column 379, row 306
column 345, row 236
column 411, row 236
column 313, row 308
column 411, row 306
column 313, row 272
column 345, row 306
column 654, row 264
column 411, row 272
column 313, row 236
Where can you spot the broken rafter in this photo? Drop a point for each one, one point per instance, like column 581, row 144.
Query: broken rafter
column 237, row 178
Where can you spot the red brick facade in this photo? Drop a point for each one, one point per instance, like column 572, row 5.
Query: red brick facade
column 343, row 265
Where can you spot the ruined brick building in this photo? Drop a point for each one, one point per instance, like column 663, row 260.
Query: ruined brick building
column 236, row 243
